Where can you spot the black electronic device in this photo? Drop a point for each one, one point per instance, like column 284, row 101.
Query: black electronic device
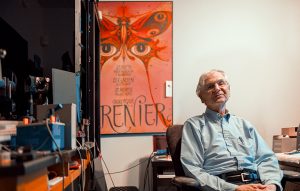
column 38, row 92
column 7, row 89
column 298, row 139
column 13, row 55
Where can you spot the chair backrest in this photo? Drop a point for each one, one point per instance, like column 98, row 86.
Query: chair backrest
column 174, row 134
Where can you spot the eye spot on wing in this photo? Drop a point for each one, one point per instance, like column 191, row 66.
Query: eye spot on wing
column 160, row 17
column 140, row 49
column 107, row 49
column 153, row 32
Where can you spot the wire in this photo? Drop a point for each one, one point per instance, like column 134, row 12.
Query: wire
column 43, row 143
column 92, row 159
column 147, row 171
column 79, row 143
column 101, row 158
column 81, row 169
column 129, row 167
column 59, row 154
column 97, row 147
column 92, row 166
column 52, row 174
column 5, row 147
column 81, row 161
column 108, row 172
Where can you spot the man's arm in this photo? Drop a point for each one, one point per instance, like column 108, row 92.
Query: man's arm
column 192, row 153
column 267, row 163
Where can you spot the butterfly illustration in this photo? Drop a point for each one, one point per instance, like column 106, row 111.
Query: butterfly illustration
column 134, row 37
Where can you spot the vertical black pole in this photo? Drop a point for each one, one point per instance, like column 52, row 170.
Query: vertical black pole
column 91, row 75
column 97, row 82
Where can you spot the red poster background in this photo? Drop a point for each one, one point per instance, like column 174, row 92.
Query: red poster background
column 136, row 61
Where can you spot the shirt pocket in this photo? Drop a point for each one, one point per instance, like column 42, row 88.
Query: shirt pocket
column 245, row 146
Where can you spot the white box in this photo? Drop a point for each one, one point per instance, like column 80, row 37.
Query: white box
column 64, row 87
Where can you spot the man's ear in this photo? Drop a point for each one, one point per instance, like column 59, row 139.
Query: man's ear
column 201, row 97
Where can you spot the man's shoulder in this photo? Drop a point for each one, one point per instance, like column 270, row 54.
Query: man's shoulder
column 195, row 118
column 238, row 118
column 195, row 121
column 242, row 122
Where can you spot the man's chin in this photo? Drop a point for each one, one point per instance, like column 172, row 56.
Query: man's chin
column 221, row 100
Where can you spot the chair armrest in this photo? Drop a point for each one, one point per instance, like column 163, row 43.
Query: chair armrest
column 185, row 181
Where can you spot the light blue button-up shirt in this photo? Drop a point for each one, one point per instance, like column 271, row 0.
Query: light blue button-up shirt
column 213, row 144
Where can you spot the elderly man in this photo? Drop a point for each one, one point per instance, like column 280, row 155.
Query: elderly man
column 222, row 151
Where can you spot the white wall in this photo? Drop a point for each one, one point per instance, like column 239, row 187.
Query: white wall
column 257, row 42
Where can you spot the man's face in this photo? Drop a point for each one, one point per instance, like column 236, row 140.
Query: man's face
column 215, row 92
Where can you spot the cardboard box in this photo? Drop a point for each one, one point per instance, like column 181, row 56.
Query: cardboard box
column 290, row 131
column 284, row 143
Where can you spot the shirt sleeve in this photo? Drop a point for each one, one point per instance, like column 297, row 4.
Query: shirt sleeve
column 192, row 158
column 267, row 163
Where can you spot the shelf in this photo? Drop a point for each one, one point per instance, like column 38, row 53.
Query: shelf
column 73, row 174
column 33, row 175
column 163, row 172
column 165, row 175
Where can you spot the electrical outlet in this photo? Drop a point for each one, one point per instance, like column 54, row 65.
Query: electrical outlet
column 169, row 88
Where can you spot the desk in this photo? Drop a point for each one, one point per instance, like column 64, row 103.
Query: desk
column 33, row 175
column 290, row 180
column 162, row 174
column 290, row 164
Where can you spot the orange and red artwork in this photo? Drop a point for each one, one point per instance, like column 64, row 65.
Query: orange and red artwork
column 135, row 63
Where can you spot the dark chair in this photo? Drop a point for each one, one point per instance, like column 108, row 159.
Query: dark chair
column 181, row 181
column 124, row 188
column 289, row 178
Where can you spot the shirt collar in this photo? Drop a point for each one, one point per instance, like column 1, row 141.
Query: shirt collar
column 215, row 115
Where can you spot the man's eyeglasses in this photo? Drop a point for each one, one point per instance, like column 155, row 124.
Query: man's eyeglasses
column 220, row 83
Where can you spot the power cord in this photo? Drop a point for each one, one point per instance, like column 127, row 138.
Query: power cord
column 7, row 149
column 92, row 156
column 117, row 172
column 59, row 153
column 101, row 158
column 92, row 159
column 43, row 143
column 108, row 171
column 81, row 169
column 92, row 164
column 146, row 177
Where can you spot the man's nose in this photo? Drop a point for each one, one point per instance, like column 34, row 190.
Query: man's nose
column 216, row 86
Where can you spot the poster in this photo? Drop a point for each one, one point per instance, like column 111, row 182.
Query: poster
column 135, row 64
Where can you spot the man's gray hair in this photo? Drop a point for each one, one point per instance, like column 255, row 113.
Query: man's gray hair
column 203, row 78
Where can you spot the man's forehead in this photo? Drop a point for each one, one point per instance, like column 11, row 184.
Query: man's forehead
column 213, row 76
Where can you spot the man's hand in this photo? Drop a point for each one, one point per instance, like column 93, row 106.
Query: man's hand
column 256, row 187
column 271, row 187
